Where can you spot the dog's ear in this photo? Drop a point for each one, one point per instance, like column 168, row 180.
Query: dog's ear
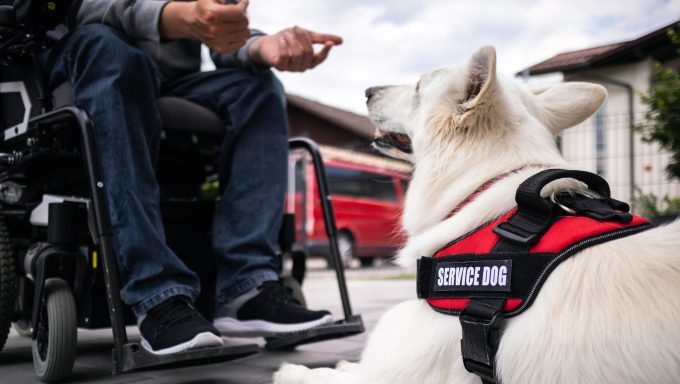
column 474, row 93
column 564, row 105
column 481, row 76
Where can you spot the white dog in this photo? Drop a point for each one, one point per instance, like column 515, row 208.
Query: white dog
column 609, row 314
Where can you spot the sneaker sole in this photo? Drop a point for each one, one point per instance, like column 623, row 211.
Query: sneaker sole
column 202, row 340
column 254, row 328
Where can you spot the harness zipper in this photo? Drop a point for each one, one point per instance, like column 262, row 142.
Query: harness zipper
column 566, row 253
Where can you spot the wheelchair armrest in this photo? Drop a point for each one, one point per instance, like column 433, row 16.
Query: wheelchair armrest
column 7, row 16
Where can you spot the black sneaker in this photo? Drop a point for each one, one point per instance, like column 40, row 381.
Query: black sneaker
column 175, row 326
column 271, row 311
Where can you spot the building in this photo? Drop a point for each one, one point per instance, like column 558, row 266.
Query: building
column 606, row 143
column 329, row 126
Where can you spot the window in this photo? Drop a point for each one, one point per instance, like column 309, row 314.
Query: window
column 404, row 185
column 353, row 182
column 600, row 143
column 300, row 178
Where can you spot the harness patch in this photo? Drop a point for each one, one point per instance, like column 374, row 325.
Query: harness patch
column 474, row 276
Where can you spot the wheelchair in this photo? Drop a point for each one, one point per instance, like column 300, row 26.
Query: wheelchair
column 57, row 267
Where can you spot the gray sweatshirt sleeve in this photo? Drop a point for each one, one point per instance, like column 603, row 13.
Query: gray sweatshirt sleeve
column 137, row 18
column 238, row 58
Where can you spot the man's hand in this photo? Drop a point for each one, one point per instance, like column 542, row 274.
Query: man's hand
column 222, row 27
column 292, row 49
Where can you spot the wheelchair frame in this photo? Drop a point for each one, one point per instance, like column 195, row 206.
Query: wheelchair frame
column 129, row 356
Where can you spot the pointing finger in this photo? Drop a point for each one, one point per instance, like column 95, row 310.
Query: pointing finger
column 321, row 38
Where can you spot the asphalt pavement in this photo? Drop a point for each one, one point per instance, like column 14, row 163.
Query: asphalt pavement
column 371, row 290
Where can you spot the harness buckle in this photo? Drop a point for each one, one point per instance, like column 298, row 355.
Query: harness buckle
column 591, row 204
column 481, row 323
column 515, row 234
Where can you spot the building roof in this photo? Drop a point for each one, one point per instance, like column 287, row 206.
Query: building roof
column 378, row 161
column 358, row 124
column 655, row 43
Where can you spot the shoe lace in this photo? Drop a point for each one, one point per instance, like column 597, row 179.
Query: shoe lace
column 276, row 291
column 175, row 311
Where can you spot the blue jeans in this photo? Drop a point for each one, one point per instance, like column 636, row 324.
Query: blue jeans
column 118, row 84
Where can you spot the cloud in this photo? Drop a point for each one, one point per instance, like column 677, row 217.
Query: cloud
column 389, row 42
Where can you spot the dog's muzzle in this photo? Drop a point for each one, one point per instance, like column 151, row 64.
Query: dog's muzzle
column 399, row 141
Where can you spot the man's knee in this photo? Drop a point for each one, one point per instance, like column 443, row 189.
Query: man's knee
column 265, row 92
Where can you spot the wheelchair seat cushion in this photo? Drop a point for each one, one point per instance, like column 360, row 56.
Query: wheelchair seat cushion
column 181, row 115
column 178, row 115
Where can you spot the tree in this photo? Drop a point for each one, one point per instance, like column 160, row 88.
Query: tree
column 663, row 115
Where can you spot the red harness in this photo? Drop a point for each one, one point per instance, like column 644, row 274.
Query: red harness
column 567, row 231
column 496, row 271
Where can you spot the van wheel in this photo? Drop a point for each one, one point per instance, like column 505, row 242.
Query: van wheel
column 346, row 247
column 54, row 346
column 8, row 283
column 366, row 261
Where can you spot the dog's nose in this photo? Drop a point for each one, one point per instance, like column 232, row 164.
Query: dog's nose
column 370, row 92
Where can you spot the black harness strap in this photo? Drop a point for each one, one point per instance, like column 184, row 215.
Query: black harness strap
column 481, row 323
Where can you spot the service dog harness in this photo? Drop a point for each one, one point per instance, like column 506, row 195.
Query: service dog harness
column 496, row 271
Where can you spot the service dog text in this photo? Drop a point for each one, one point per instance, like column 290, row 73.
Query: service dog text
column 493, row 275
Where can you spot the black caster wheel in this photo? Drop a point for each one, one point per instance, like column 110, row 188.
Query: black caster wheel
column 8, row 283
column 54, row 346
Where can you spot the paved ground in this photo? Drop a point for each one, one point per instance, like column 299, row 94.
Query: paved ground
column 371, row 291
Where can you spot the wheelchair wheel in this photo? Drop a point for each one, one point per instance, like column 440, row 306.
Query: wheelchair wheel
column 8, row 283
column 54, row 346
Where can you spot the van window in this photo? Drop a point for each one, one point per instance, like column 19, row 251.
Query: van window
column 404, row 185
column 300, row 179
column 353, row 182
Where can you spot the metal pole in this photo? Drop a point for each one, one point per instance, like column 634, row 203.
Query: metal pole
column 328, row 215
column 631, row 128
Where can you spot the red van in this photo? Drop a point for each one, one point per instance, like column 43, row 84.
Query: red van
column 367, row 194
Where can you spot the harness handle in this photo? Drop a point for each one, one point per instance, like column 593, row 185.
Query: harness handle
column 535, row 214
column 528, row 196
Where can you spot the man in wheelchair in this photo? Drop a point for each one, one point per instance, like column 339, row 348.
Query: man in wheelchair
column 120, row 56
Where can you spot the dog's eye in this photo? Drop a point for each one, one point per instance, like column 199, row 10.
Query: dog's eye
column 416, row 99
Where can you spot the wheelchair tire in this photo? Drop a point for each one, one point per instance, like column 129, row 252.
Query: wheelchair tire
column 54, row 346
column 8, row 283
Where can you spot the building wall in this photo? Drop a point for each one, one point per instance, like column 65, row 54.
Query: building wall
column 322, row 131
column 580, row 144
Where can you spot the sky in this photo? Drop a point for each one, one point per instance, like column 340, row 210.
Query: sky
column 394, row 41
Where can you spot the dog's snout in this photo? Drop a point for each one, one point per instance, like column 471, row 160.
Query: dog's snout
column 370, row 92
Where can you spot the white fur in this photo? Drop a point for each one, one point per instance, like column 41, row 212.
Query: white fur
column 610, row 314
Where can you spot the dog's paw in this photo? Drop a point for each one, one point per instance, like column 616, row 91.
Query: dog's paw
column 346, row 366
column 290, row 374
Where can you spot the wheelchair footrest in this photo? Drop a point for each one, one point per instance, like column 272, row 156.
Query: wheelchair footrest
column 343, row 328
column 135, row 357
